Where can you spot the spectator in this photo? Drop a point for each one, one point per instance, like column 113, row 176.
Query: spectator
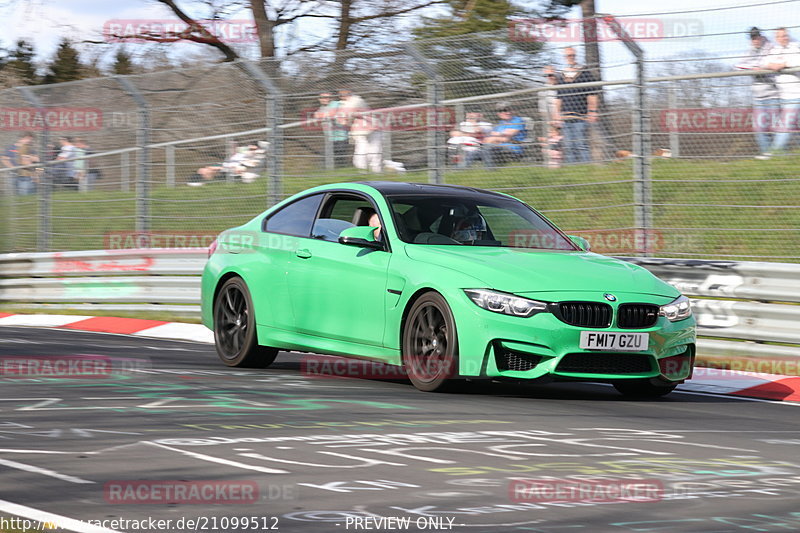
column 503, row 142
column 785, row 54
column 79, row 166
column 244, row 164
column 65, row 170
column 18, row 154
column 367, row 138
column 548, row 99
column 766, row 98
column 335, row 127
column 576, row 108
column 551, row 146
column 468, row 136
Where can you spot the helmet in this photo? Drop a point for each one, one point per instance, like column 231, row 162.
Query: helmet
column 469, row 228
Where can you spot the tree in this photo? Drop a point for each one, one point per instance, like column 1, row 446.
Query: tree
column 123, row 63
column 474, row 50
column 352, row 20
column 20, row 63
column 65, row 65
column 468, row 16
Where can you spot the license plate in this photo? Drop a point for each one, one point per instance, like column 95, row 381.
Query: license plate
column 615, row 341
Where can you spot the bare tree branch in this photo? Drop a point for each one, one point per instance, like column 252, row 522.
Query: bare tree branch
column 202, row 36
column 387, row 14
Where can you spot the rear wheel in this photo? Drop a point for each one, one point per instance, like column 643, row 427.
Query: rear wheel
column 430, row 348
column 235, row 328
column 643, row 389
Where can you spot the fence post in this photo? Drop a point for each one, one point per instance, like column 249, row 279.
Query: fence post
column 143, row 167
column 387, row 144
column 674, row 139
column 436, row 141
column 544, row 110
column 169, row 153
column 327, row 132
column 9, row 215
column 45, row 184
column 125, row 171
column 274, row 122
column 643, row 194
column 642, row 183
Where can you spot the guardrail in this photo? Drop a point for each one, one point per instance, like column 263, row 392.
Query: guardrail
column 105, row 280
column 745, row 310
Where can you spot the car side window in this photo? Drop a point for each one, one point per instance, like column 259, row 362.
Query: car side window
column 296, row 218
column 339, row 213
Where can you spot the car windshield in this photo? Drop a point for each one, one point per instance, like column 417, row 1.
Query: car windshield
column 473, row 219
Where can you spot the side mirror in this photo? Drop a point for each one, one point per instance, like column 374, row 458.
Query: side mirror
column 361, row 236
column 580, row 242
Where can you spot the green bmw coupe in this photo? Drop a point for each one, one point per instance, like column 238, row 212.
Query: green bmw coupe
column 449, row 283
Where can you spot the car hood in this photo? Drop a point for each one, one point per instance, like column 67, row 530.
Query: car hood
column 531, row 271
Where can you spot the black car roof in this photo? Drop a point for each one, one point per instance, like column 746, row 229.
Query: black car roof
column 404, row 187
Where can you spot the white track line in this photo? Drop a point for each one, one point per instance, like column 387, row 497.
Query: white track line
column 61, row 522
column 43, row 471
column 212, row 459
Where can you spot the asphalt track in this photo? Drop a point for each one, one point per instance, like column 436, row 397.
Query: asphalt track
column 305, row 453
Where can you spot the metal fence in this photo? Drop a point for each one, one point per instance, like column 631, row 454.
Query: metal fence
column 658, row 181
column 746, row 311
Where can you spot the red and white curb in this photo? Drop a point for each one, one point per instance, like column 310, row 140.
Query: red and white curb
column 745, row 384
column 709, row 380
column 103, row 324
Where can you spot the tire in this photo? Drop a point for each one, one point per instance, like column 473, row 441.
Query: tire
column 430, row 345
column 643, row 389
column 235, row 328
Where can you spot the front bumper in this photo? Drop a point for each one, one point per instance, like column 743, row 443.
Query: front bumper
column 543, row 347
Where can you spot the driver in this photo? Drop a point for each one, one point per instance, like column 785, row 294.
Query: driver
column 469, row 228
column 374, row 221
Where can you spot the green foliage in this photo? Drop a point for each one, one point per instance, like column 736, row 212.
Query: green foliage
column 123, row 63
column 473, row 42
column 20, row 62
column 65, row 65
column 468, row 16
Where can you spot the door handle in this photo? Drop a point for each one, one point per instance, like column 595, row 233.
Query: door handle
column 303, row 253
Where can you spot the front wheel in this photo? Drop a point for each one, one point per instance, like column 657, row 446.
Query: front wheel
column 235, row 328
column 643, row 389
column 430, row 347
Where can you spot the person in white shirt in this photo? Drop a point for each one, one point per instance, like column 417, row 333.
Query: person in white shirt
column 766, row 98
column 785, row 54
column 468, row 136
column 67, row 155
column 367, row 137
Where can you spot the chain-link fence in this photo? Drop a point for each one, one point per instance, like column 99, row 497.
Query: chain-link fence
column 667, row 167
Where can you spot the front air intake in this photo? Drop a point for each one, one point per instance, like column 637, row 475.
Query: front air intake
column 585, row 314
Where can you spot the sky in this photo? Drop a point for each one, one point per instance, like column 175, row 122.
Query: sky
column 723, row 24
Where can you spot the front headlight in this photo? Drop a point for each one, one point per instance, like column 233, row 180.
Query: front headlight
column 678, row 309
column 507, row 304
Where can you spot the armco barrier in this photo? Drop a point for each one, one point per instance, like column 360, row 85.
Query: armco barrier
column 743, row 309
column 105, row 280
